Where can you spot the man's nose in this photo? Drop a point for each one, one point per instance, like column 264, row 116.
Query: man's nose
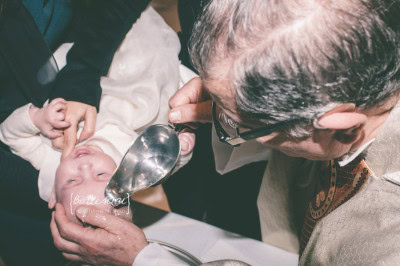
column 86, row 169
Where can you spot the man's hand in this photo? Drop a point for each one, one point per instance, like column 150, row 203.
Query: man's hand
column 190, row 104
column 50, row 118
column 113, row 242
column 187, row 139
column 74, row 113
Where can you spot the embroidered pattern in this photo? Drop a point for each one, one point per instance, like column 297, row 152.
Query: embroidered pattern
column 335, row 186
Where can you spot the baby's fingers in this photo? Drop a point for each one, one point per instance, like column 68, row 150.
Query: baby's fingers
column 58, row 100
column 58, row 107
column 59, row 116
column 59, row 124
column 52, row 133
column 57, row 120
column 56, row 116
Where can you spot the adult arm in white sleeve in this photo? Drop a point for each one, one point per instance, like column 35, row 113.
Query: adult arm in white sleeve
column 154, row 254
column 22, row 136
column 228, row 158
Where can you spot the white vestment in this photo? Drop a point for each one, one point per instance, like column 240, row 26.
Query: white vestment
column 365, row 230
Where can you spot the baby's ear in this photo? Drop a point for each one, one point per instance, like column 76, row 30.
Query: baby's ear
column 52, row 201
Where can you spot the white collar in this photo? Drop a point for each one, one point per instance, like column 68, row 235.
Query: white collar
column 347, row 158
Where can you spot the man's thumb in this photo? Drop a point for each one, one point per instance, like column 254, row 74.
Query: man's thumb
column 98, row 218
column 200, row 112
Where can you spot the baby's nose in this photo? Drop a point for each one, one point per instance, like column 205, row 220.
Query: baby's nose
column 86, row 168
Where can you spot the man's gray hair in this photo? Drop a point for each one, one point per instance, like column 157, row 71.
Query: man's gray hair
column 297, row 59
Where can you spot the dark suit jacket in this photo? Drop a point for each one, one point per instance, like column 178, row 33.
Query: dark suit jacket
column 98, row 30
column 23, row 52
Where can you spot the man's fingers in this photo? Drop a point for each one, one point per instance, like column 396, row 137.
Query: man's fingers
column 200, row 112
column 99, row 218
column 193, row 125
column 90, row 124
column 72, row 257
column 66, row 229
column 191, row 92
column 70, row 138
column 60, row 243
column 187, row 140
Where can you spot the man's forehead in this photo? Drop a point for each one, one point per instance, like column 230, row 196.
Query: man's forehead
column 221, row 92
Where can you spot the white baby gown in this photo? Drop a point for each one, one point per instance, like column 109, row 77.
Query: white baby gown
column 144, row 74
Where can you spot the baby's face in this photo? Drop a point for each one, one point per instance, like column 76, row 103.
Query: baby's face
column 82, row 178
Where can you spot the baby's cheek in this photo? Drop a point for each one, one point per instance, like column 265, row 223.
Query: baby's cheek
column 70, row 213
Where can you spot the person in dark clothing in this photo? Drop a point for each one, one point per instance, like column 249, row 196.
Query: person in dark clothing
column 29, row 32
column 23, row 215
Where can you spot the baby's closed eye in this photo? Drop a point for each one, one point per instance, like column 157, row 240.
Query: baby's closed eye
column 102, row 176
column 72, row 181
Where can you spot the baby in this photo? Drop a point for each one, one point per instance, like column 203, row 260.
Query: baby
column 82, row 176
column 144, row 74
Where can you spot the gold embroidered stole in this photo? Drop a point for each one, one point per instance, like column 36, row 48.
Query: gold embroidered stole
column 334, row 187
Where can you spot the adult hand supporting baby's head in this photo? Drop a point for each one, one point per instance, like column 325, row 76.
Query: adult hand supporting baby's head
column 74, row 113
column 113, row 241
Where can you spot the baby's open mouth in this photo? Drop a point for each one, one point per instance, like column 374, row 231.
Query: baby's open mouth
column 81, row 152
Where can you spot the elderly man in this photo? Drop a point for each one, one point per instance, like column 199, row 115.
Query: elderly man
column 319, row 82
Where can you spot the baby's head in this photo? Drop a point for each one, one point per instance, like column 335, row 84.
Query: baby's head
column 81, row 179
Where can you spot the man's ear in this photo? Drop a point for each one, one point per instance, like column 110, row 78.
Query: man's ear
column 345, row 121
column 52, row 201
column 343, row 117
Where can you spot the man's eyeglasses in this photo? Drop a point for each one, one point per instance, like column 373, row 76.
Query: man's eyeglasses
column 228, row 131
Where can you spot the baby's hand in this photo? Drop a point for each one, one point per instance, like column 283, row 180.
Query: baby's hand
column 187, row 139
column 50, row 118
